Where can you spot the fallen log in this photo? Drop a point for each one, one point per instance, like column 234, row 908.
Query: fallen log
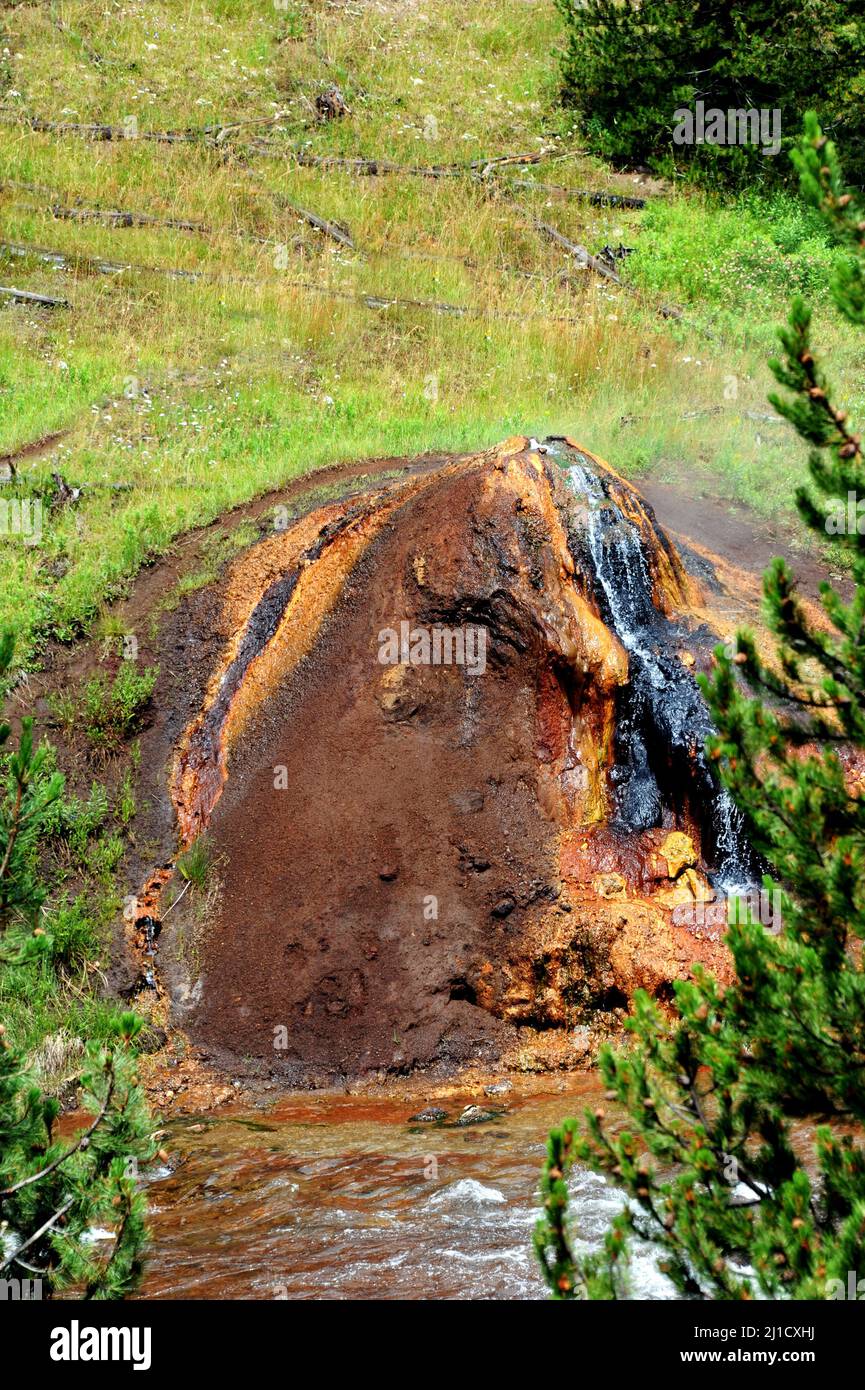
column 100, row 132
column 382, row 301
column 578, row 252
column 332, row 229
column 215, row 135
column 64, row 259
column 119, row 217
column 124, row 217
column 499, row 160
column 44, row 301
column 221, row 133
column 372, row 166
column 368, row 167
column 599, row 267
column 580, row 195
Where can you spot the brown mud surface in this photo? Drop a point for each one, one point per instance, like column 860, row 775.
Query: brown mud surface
column 415, row 869
column 734, row 534
column 10, row 462
column 419, row 866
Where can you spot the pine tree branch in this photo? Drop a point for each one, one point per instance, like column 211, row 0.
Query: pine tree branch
column 46, row 1226
column 80, row 1143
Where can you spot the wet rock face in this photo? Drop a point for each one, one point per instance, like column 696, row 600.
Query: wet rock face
column 440, row 764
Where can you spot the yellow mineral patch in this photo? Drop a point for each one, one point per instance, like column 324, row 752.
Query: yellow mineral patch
column 508, row 447
column 610, row 886
column 679, row 852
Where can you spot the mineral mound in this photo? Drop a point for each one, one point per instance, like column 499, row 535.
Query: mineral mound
column 450, row 764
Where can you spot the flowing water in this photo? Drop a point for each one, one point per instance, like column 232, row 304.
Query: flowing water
column 664, row 699
column 326, row 1196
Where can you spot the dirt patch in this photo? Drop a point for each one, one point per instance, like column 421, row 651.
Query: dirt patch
column 732, row 532
column 9, row 463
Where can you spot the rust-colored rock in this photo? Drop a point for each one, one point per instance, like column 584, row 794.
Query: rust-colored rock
column 436, row 846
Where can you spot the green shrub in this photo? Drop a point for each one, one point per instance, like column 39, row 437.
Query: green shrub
column 55, row 1190
column 72, row 822
column 194, row 863
column 126, row 807
column 742, row 256
column 73, row 932
column 103, row 857
column 628, row 66
column 28, row 791
column 112, row 712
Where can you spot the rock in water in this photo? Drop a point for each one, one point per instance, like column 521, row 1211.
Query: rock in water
column 476, row 1115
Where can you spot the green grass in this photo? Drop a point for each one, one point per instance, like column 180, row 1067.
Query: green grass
column 107, row 710
column 194, row 864
column 737, row 261
column 183, row 398
column 113, row 710
column 58, row 996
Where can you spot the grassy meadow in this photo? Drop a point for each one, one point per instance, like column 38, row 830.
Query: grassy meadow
column 179, row 396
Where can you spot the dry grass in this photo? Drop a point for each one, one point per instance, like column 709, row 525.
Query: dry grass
column 56, row 1060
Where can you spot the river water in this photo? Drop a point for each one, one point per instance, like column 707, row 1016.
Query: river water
column 324, row 1196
